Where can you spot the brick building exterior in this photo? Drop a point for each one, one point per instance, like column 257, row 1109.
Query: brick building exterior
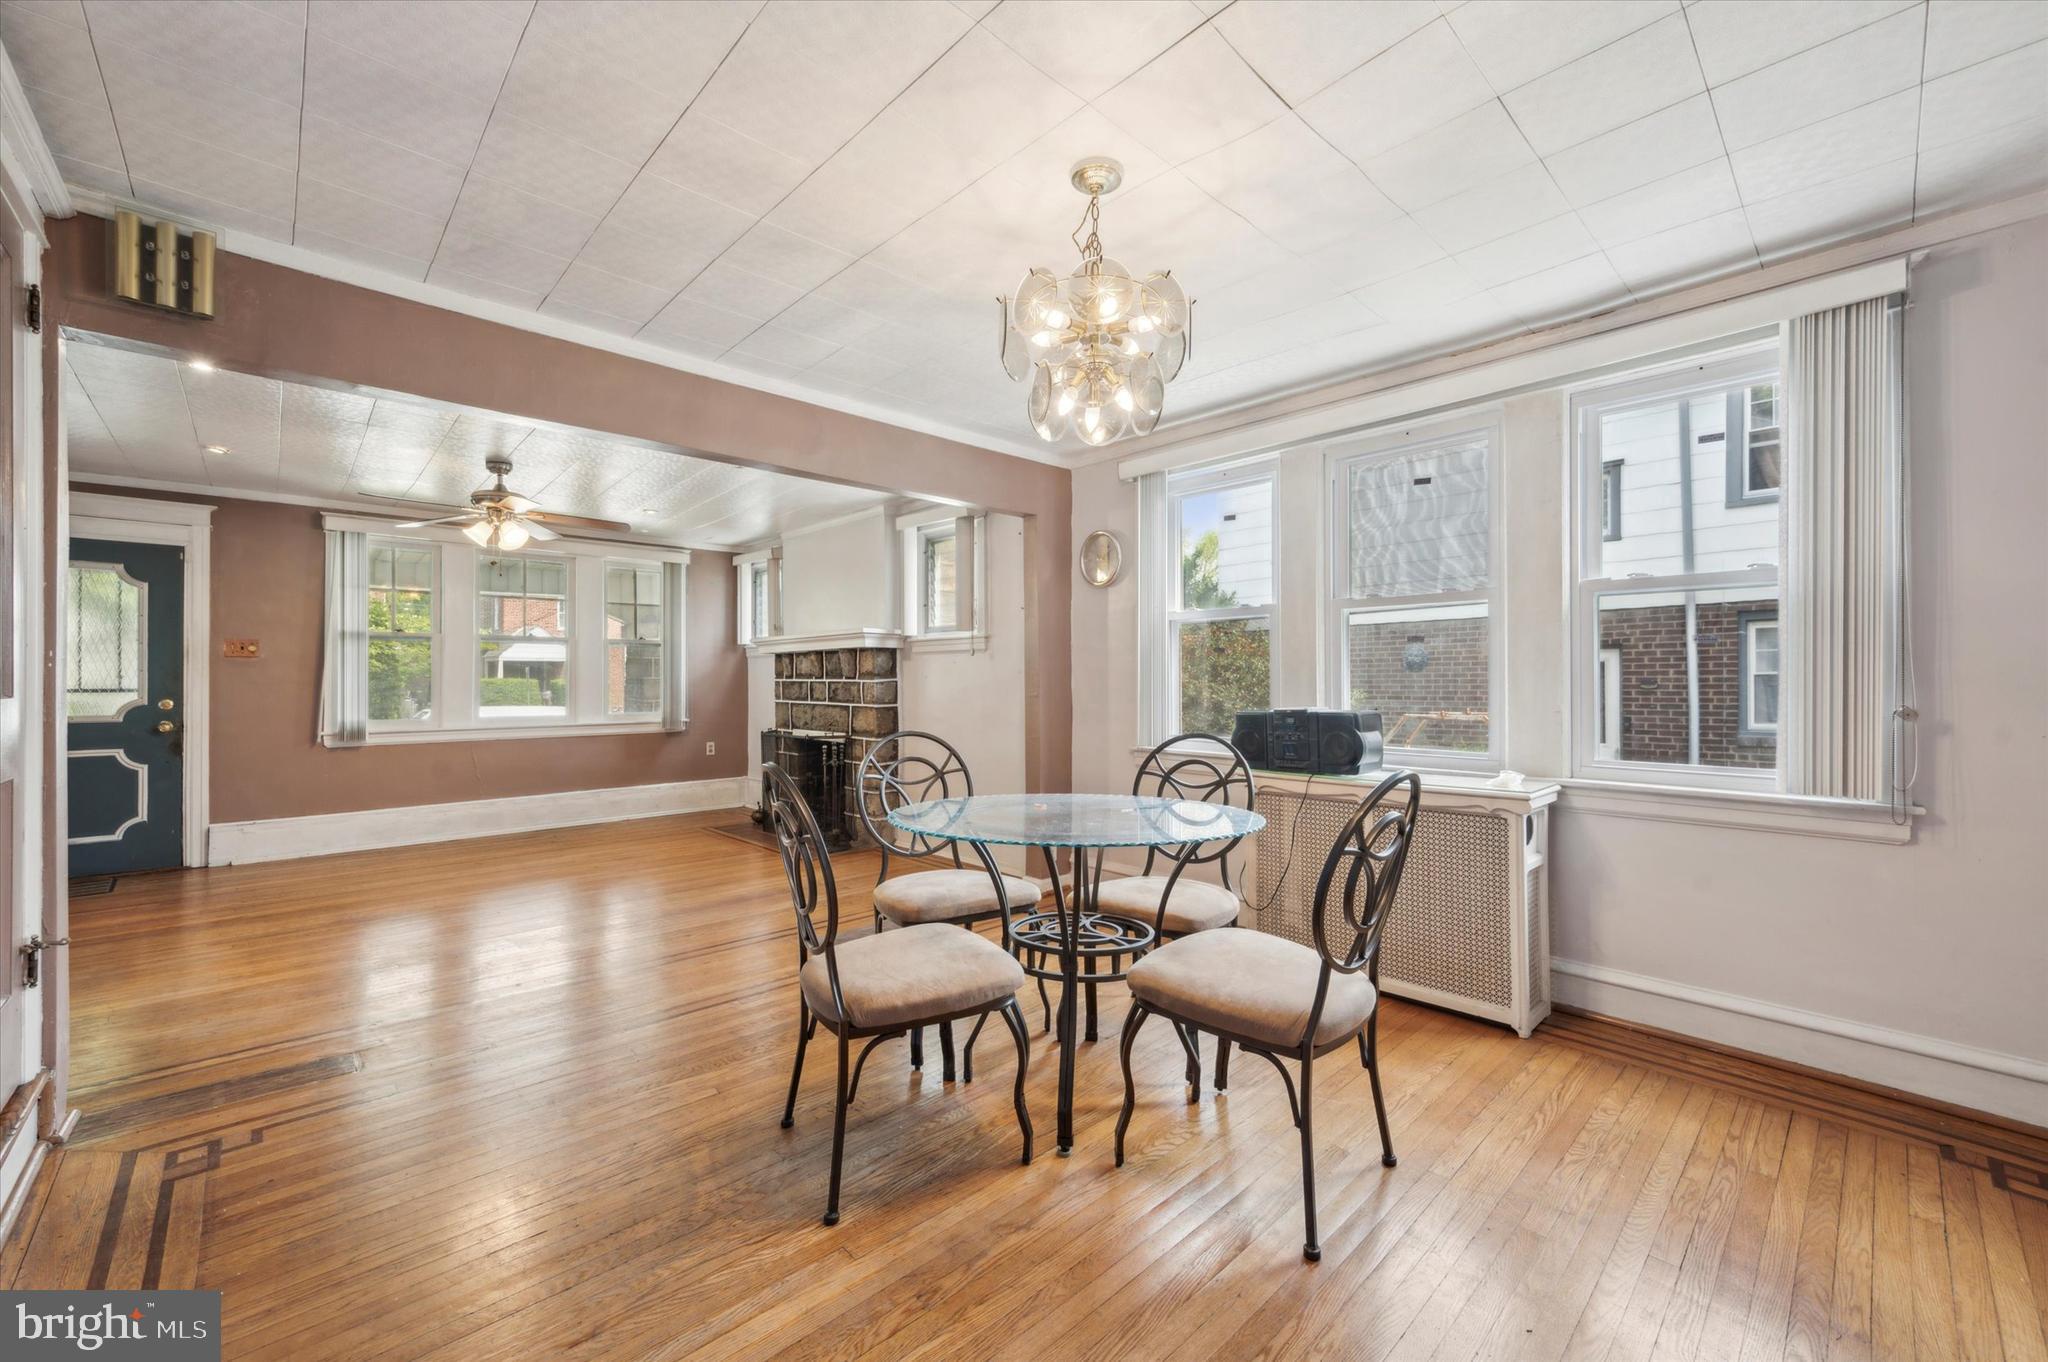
column 1427, row 678
column 1651, row 641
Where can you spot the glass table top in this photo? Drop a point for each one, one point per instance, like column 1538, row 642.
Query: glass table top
column 1075, row 820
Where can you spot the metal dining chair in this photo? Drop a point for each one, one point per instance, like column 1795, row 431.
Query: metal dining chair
column 1276, row 998
column 880, row 986
column 911, row 767
column 1202, row 768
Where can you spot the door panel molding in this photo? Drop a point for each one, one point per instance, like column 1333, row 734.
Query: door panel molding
column 189, row 525
column 141, row 814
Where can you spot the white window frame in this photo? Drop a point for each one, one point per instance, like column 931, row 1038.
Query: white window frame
column 1166, row 704
column 1746, row 673
column 915, row 530
column 1339, row 457
column 765, row 564
column 1589, row 403
column 1743, row 404
column 661, row 608
column 436, row 696
column 456, row 655
column 574, row 692
column 927, row 536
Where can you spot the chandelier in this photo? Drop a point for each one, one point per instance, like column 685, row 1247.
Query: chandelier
column 1100, row 345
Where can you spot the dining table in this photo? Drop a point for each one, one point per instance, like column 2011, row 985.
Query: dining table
column 1086, row 945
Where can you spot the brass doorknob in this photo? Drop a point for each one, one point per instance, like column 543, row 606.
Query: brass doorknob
column 167, row 703
column 166, row 726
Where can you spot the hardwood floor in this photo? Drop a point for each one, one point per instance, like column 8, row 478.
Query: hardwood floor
column 520, row 1100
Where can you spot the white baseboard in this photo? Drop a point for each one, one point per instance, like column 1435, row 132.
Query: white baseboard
column 280, row 839
column 1987, row 1080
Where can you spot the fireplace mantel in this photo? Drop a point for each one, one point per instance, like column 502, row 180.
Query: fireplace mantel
column 811, row 643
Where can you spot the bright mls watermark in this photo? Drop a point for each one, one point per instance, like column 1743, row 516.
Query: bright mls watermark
column 159, row 1326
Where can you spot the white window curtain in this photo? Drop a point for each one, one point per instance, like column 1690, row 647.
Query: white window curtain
column 345, row 671
column 675, row 693
column 1843, row 388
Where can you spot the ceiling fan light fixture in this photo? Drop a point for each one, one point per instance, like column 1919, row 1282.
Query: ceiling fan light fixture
column 1100, row 331
column 481, row 533
column 511, row 535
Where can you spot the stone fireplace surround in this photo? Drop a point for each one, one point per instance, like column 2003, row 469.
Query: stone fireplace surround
column 849, row 692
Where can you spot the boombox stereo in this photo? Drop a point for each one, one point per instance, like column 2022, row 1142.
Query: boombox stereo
column 1324, row 742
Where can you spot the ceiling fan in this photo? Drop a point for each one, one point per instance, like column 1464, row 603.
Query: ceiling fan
column 499, row 518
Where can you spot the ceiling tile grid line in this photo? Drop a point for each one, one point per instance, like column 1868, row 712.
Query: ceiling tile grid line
column 828, row 194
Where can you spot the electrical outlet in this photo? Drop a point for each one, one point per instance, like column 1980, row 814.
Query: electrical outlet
column 710, row 749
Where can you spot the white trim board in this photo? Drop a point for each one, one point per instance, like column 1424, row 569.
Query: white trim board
column 328, row 834
column 1986, row 1080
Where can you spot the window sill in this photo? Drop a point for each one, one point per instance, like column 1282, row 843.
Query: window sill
column 398, row 737
column 951, row 642
column 1798, row 815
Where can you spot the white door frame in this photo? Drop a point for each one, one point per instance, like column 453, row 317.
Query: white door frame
column 188, row 525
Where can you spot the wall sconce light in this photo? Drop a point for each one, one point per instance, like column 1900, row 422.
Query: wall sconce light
column 158, row 265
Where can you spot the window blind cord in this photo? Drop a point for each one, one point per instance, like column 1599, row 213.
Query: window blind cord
column 1905, row 713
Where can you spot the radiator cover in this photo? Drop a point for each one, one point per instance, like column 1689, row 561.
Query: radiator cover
column 1470, row 929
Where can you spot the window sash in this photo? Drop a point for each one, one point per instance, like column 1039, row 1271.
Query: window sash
column 623, row 647
column 431, row 636
column 567, row 638
column 929, row 537
column 1167, row 702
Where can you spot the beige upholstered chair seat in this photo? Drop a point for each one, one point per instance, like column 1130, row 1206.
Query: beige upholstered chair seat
column 912, row 974
column 1251, row 984
column 947, row 895
column 1193, row 906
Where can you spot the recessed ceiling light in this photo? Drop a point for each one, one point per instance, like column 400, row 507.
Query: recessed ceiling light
column 217, row 449
column 204, row 366
column 650, row 510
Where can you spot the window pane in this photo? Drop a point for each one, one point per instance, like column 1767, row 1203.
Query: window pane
column 413, row 612
column 547, row 579
column 1418, row 521
column 618, row 585
column 526, row 678
column 1643, row 646
column 633, row 678
column 1426, row 671
column 1674, row 503
column 412, row 568
column 650, row 624
column 542, row 609
column 1226, row 547
column 1225, row 666
column 941, row 579
column 758, row 621
column 107, row 611
column 401, row 678
column 380, row 567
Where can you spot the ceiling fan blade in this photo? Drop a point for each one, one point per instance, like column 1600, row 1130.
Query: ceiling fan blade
column 465, row 518
column 517, row 504
column 578, row 522
column 536, row 529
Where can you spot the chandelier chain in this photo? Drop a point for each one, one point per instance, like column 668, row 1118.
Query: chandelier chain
column 1091, row 249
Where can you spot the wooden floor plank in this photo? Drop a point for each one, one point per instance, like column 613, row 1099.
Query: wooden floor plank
column 527, row 1107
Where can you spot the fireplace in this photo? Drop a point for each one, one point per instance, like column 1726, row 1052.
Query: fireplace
column 831, row 705
column 816, row 764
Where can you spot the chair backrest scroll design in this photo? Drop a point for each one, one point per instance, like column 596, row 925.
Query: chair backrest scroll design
column 808, row 866
column 1368, row 857
column 1204, row 769
column 909, row 767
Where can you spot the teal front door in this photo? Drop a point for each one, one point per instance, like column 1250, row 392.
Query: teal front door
column 125, row 704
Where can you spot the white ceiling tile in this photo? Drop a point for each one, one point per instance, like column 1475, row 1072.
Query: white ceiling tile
column 1119, row 37
column 434, row 119
column 1046, row 166
column 1981, row 99
column 1963, row 32
column 1631, row 78
column 584, row 286
column 366, row 221
column 1515, row 41
column 785, row 257
column 1292, row 185
column 503, row 211
column 1697, row 192
column 985, row 103
column 86, row 175
column 1300, row 46
column 383, row 170
column 843, row 60
column 662, row 47
column 648, row 259
column 856, row 368
column 1997, row 165
column 689, row 221
column 1470, row 150
column 895, row 171
column 1576, row 288
column 70, row 13
column 1193, row 98
column 455, row 45
column 82, row 129
column 314, row 239
column 1486, row 212
column 164, row 157
column 1882, row 130
column 146, row 92
column 1648, row 149
column 724, row 163
column 587, row 101
column 239, row 44
column 1736, row 37
column 1305, row 326
column 1563, row 238
column 1852, row 206
column 735, row 290
column 830, row 321
column 1170, row 224
column 1420, row 292
column 1380, row 252
column 780, row 345
column 1685, row 254
column 212, row 212
column 548, row 164
column 50, row 54
column 1421, row 83
column 1868, row 64
column 481, row 256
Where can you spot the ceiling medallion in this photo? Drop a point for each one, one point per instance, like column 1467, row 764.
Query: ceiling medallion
column 1100, row 345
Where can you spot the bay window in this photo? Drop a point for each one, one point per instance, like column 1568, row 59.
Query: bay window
column 1413, row 592
column 1220, row 603
column 1676, row 647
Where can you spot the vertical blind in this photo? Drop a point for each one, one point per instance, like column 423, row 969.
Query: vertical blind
column 345, row 670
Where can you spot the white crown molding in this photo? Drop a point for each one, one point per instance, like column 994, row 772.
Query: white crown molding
column 1239, row 427
column 810, row 643
column 370, row 277
column 1988, row 1080
column 326, row 834
column 23, row 147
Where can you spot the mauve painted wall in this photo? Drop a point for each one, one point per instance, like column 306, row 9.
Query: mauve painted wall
column 267, row 572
